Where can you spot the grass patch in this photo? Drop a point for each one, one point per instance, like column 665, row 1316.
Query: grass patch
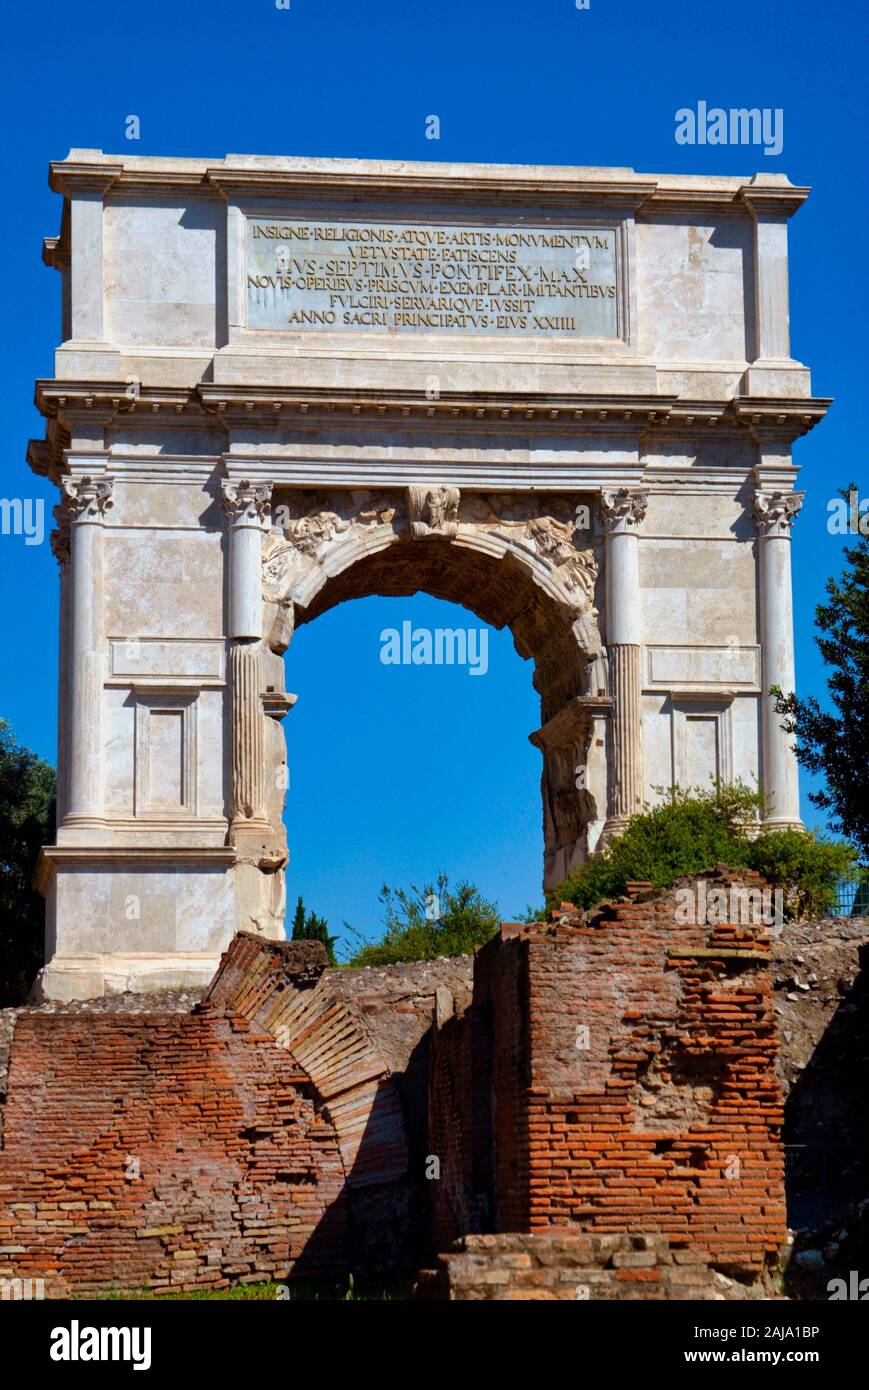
column 293, row 1291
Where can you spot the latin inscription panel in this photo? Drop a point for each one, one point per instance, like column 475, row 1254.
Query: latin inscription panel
column 543, row 282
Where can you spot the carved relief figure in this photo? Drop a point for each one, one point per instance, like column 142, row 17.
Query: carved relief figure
column 553, row 541
column 433, row 511
column 308, row 533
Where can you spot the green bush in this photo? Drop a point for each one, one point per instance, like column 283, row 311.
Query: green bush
column 807, row 867
column 687, row 834
column 692, row 832
column 433, row 921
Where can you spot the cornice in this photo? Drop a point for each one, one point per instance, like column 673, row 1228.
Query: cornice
column 772, row 200
column 763, row 418
column 780, row 418
column 46, row 457
column 513, row 186
column 599, row 411
column 51, row 857
column 84, row 176
column 245, row 177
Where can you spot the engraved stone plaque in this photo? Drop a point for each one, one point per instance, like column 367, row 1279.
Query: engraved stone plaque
column 543, row 282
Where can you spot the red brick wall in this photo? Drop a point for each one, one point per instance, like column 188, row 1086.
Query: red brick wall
column 240, row 1176
column 667, row 1122
column 502, row 1048
column 451, row 1137
column 669, row 1119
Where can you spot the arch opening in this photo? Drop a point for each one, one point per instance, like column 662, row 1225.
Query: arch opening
column 518, row 563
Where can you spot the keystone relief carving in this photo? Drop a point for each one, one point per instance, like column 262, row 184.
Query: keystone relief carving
column 433, row 511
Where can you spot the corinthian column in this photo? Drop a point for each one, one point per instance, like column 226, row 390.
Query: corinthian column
column 85, row 501
column 246, row 505
column 774, row 513
column 622, row 513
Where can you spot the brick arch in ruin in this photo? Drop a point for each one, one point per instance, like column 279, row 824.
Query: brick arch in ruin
column 524, row 561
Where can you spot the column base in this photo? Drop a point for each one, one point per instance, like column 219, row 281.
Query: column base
column 66, row 978
column 256, row 841
column 104, row 904
column 617, row 825
column 782, row 823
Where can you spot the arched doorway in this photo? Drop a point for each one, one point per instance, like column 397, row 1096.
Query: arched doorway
column 527, row 562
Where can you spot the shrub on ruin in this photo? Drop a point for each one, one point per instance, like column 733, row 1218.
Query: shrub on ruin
column 687, row 834
column 423, row 923
column 807, row 866
column 692, row 832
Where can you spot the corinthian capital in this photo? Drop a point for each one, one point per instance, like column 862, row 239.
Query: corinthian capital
column 87, row 499
column 776, row 512
column 246, row 502
column 623, row 510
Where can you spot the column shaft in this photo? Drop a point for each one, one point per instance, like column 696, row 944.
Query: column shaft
column 622, row 514
column 248, row 791
column 85, row 502
column 775, row 514
column 246, row 505
column 627, row 750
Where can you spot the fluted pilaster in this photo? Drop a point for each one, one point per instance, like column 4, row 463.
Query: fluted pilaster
column 627, row 741
column 248, row 789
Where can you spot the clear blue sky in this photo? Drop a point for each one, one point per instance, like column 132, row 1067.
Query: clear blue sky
column 532, row 83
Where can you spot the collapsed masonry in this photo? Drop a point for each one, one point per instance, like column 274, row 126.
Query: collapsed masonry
column 602, row 1086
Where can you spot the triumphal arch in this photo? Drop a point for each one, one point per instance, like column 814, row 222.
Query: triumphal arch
column 563, row 397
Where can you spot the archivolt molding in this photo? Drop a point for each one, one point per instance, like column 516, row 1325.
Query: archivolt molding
column 526, row 561
column 316, row 536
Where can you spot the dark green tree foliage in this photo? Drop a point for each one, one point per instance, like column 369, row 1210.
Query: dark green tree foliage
column 27, row 802
column 693, row 832
column 428, row 922
column 835, row 743
column 310, row 927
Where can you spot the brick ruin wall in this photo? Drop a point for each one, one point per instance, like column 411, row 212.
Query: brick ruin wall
column 642, row 1098
column 259, row 1160
column 566, row 1266
column 173, row 1151
column 175, row 1143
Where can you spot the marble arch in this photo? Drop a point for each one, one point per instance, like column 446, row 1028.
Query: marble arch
column 286, row 382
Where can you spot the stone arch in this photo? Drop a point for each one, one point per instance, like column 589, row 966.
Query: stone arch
column 514, row 560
